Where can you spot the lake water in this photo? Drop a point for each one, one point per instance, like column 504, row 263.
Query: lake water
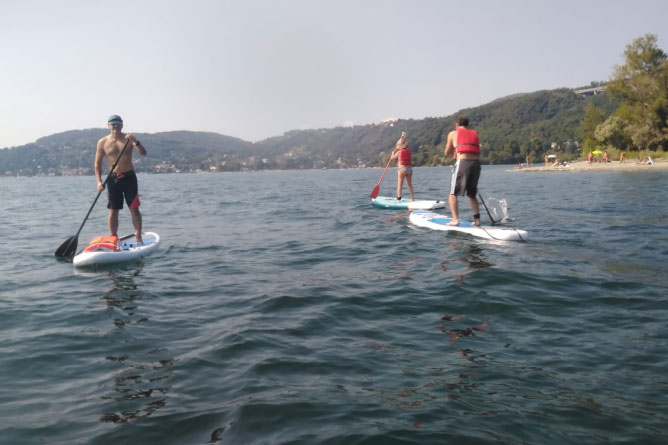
column 282, row 308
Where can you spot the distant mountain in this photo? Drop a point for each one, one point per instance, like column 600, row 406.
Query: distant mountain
column 73, row 152
column 510, row 128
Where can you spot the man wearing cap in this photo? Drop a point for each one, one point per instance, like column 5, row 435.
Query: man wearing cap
column 122, row 182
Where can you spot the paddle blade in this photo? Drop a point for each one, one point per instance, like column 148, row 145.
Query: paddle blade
column 374, row 192
column 68, row 248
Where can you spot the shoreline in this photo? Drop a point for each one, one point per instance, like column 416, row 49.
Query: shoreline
column 584, row 166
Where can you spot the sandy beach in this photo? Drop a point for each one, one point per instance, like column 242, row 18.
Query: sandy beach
column 580, row 166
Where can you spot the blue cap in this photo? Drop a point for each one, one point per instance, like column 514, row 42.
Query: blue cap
column 114, row 119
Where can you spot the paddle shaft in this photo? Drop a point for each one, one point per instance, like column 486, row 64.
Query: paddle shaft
column 104, row 184
column 485, row 206
column 374, row 192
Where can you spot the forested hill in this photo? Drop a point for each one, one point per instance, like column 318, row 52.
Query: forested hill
column 509, row 128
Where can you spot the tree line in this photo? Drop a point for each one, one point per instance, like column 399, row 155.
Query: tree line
column 640, row 85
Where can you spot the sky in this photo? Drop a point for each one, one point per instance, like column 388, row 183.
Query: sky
column 254, row 69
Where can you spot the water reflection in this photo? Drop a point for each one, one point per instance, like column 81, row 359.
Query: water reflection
column 140, row 372
column 455, row 380
column 464, row 258
column 467, row 253
column 466, row 379
column 456, row 333
column 461, row 384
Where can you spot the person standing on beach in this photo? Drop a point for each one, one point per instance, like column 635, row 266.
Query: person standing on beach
column 622, row 157
column 590, row 157
column 466, row 173
column 122, row 182
column 402, row 154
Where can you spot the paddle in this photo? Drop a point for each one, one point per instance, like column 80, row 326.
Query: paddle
column 485, row 206
column 69, row 247
column 376, row 189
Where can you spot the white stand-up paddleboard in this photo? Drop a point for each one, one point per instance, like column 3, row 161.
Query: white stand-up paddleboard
column 386, row 202
column 437, row 221
column 102, row 251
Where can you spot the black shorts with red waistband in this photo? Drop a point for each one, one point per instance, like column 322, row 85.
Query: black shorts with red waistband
column 122, row 186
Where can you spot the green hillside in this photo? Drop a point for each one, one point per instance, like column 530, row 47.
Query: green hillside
column 509, row 128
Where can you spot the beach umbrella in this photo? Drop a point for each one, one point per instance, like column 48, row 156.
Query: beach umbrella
column 551, row 156
column 596, row 152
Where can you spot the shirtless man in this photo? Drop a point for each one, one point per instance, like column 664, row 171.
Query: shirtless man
column 466, row 173
column 123, row 181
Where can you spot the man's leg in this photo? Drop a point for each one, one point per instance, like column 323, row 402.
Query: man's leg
column 476, row 210
column 136, row 222
column 452, row 200
column 112, row 221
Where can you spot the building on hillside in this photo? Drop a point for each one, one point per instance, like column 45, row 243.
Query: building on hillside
column 589, row 91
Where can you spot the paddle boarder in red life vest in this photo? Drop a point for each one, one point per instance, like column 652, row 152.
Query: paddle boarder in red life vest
column 122, row 182
column 464, row 142
column 402, row 154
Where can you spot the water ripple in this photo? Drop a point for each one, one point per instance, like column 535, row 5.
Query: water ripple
column 283, row 308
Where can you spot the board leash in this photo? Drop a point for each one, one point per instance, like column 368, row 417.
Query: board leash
column 485, row 206
column 519, row 235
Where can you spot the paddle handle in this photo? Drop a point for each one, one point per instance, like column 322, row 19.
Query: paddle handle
column 104, row 184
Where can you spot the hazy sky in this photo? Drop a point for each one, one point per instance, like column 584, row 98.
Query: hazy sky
column 257, row 68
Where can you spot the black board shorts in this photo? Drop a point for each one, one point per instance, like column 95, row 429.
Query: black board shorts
column 465, row 178
column 122, row 186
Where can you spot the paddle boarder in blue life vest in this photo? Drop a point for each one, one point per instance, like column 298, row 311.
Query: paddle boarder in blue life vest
column 464, row 182
column 402, row 154
column 122, row 183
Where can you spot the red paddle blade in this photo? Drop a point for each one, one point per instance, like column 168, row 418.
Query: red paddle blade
column 374, row 192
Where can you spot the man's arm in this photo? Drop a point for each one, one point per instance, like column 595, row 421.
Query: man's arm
column 450, row 144
column 99, row 154
column 136, row 144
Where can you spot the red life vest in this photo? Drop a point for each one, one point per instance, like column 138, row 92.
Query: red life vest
column 404, row 156
column 467, row 141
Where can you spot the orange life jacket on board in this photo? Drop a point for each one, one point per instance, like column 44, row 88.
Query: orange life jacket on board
column 109, row 243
